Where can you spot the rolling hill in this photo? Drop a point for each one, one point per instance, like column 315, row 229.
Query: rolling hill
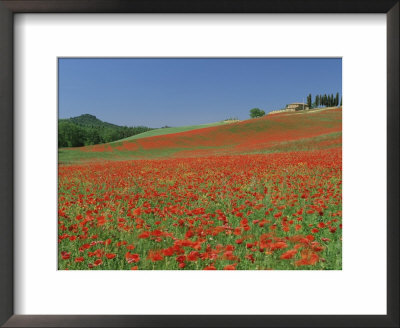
column 87, row 120
column 309, row 130
column 87, row 129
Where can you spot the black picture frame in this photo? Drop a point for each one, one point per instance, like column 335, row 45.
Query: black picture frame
column 10, row 7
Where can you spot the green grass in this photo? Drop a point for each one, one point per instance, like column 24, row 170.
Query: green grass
column 73, row 156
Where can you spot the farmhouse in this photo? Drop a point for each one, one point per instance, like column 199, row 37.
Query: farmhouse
column 296, row 106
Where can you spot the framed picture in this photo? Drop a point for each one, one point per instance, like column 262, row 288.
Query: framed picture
column 196, row 163
column 174, row 212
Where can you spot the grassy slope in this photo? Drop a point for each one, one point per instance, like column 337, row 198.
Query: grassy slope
column 164, row 131
column 310, row 130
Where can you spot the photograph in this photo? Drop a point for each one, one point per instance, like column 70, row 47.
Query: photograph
column 199, row 163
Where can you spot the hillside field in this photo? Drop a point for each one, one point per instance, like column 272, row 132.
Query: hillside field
column 271, row 133
column 172, row 130
column 260, row 194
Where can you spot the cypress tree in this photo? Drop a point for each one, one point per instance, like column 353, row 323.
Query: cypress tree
column 337, row 99
column 309, row 100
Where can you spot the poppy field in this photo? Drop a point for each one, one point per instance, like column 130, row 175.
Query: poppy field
column 262, row 194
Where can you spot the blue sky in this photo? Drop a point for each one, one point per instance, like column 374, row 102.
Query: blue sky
column 181, row 91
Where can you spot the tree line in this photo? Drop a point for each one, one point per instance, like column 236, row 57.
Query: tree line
column 324, row 100
column 88, row 130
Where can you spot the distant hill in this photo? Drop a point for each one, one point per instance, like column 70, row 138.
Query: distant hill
column 91, row 121
column 86, row 130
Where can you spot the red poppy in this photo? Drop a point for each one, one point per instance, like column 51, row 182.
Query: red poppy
column 288, row 255
column 168, row 252
column 189, row 234
column 144, row 235
column 193, row 256
column 65, row 255
column 155, row 256
column 181, row 258
column 278, row 245
column 307, row 258
column 130, row 258
column 98, row 262
column 230, row 267
column 310, row 237
column 136, row 211
column 156, row 233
